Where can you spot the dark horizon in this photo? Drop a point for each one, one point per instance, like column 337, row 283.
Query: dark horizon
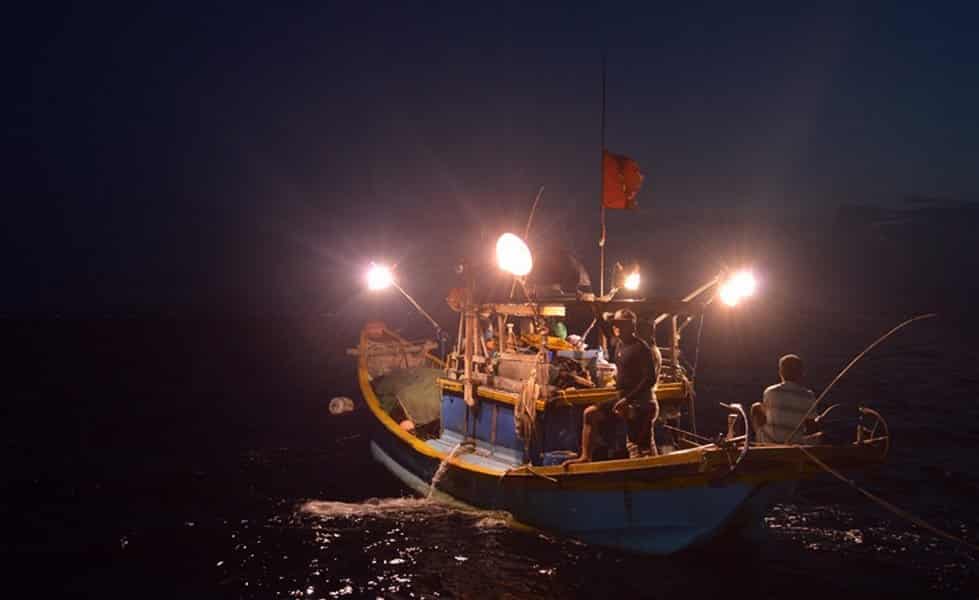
column 186, row 157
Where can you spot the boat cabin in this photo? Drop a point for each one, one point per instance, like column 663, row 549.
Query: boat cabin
column 519, row 376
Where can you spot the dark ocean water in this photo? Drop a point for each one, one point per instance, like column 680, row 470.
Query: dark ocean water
column 151, row 458
column 176, row 457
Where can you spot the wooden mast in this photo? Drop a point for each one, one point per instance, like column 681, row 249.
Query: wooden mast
column 602, row 342
column 601, row 189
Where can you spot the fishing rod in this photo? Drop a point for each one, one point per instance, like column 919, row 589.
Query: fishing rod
column 877, row 499
column 526, row 231
column 875, row 343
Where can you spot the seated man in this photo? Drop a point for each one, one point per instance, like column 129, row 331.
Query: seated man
column 783, row 405
column 637, row 369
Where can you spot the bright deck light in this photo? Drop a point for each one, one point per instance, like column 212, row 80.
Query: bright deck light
column 632, row 281
column 379, row 277
column 744, row 282
column 739, row 286
column 729, row 294
column 513, row 255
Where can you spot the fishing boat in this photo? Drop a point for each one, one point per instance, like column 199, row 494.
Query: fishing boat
column 490, row 422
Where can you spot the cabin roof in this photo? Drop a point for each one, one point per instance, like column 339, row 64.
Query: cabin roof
column 643, row 307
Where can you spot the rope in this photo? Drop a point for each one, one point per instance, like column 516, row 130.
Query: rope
column 887, row 505
column 587, row 331
column 696, row 353
column 690, row 433
column 530, row 469
column 526, row 233
column 527, row 467
column 525, row 410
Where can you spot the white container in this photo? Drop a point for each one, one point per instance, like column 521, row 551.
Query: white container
column 340, row 405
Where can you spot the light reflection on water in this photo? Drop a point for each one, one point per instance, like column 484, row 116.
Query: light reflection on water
column 832, row 529
column 414, row 547
column 396, row 557
column 407, row 547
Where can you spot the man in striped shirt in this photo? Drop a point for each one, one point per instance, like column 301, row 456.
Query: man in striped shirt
column 783, row 405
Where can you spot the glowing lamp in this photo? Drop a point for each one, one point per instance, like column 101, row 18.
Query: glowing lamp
column 729, row 294
column 745, row 284
column 632, row 281
column 737, row 287
column 379, row 277
column 513, row 255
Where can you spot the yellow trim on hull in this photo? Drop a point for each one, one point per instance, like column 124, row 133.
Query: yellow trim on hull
column 375, row 406
column 762, row 464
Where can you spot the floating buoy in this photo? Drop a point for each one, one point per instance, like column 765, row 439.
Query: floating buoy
column 340, row 405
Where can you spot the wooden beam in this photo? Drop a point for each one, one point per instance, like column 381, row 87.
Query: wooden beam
column 522, row 310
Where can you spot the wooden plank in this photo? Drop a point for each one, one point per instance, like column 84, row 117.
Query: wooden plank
column 522, row 310
column 520, row 357
column 484, row 392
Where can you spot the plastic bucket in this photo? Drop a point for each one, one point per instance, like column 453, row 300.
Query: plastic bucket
column 556, row 457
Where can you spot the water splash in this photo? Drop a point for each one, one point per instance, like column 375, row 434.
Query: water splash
column 404, row 509
column 496, row 519
column 443, row 467
column 393, row 508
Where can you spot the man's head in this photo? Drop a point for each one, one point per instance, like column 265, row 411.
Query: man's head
column 624, row 323
column 790, row 368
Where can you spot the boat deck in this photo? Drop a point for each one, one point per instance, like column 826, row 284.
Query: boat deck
column 486, row 456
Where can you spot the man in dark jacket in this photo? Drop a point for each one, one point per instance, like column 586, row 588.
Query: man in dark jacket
column 637, row 369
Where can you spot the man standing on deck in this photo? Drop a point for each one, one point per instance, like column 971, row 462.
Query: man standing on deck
column 783, row 405
column 637, row 369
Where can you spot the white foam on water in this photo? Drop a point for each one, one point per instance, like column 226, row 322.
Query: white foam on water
column 443, row 467
column 404, row 508
column 373, row 507
column 493, row 521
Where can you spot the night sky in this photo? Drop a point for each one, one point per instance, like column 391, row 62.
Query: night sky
column 249, row 156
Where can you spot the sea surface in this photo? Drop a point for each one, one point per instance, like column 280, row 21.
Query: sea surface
column 160, row 456
column 156, row 458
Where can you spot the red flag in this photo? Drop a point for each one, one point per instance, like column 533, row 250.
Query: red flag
column 621, row 180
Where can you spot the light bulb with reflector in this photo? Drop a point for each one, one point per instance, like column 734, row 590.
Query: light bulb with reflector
column 745, row 284
column 729, row 294
column 379, row 277
column 632, row 281
column 513, row 255
column 737, row 287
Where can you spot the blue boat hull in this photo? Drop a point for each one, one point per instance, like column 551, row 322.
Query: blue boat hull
column 630, row 517
column 657, row 505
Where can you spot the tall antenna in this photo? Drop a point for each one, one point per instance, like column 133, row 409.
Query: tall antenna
column 601, row 187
